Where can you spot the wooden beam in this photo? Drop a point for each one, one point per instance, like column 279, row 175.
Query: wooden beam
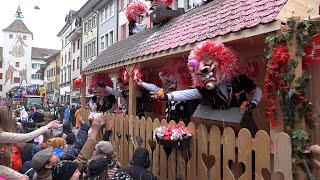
column 84, row 92
column 132, row 104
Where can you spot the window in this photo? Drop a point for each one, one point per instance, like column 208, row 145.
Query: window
column 69, row 56
column 89, row 25
column 65, row 59
column 78, row 62
column 94, row 21
column 102, row 16
column 78, row 44
column 65, row 77
column 123, row 4
column 17, row 64
column 90, row 49
column 74, row 47
column 36, row 76
column 61, row 78
column 110, row 38
column 0, row 87
column 0, row 75
column 102, row 43
column 0, row 64
column 16, row 80
column 24, row 37
column 33, row 65
column 85, row 26
column 112, row 9
column 10, row 36
column 123, row 31
column 74, row 65
column 62, row 61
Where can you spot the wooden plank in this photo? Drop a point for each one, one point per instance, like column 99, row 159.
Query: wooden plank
column 83, row 92
column 84, row 113
column 172, row 160
column 149, row 139
column 163, row 159
column 113, row 119
column 121, row 138
column 262, row 153
column 143, row 131
column 156, row 152
column 282, row 155
column 298, row 8
column 244, row 142
column 192, row 156
column 116, row 139
column 136, row 130
column 229, row 143
column 132, row 93
column 181, row 162
column 131, row 136
column 215, row 150
column 202, row 154
column 126, row 141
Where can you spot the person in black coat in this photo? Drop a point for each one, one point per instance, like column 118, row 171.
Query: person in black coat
column 67, row 130
column 138, row 166
column 72, row 113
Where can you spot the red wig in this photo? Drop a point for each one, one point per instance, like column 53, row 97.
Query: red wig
column 176, row 69
column 136, row 8
column 165, row 3
column 100, row 78
column 229, row 62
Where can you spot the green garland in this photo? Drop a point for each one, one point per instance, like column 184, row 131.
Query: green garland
column 297, row 109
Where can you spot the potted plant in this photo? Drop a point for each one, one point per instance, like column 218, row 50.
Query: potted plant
column 177, row 137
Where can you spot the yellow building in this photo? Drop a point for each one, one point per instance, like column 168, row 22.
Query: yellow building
column 51, row 74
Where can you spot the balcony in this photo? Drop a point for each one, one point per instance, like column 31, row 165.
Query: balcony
column 75, row 34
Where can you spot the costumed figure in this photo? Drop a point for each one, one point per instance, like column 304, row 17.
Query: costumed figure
column 174, row 78
column 135, row 13
column 102, row 101
column 123, row 92
column 215, row 73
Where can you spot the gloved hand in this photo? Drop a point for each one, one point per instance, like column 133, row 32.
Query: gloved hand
column 251, row 105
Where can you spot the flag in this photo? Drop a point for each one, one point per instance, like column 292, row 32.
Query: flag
column 124, row 75
column 136, row 72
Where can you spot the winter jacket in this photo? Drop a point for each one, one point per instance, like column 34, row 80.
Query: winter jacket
column 11, row 138
column 27, row 169
column 138, row 166
column 81, row 159
column 72, row 152
column 16, row 162
column 67, row 115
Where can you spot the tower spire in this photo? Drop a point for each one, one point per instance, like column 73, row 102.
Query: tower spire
column 18, row 14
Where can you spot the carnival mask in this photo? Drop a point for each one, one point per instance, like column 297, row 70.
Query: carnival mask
column 169, row 82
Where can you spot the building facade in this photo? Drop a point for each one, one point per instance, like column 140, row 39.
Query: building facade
column 65, row 61
column 51, row 74
column 20, row 61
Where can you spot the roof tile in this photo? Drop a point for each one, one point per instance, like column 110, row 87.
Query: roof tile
column 216, row 18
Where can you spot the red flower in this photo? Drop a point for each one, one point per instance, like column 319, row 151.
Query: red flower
column 274, row 124
column 311, row 118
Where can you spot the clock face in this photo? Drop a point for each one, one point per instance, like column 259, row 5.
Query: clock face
column 18, row 47
column 17, row 51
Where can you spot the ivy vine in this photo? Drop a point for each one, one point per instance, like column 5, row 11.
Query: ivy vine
column 296, row 107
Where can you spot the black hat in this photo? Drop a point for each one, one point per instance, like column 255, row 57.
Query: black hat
column 97, row 165
column 140, row 158
column 64, row 170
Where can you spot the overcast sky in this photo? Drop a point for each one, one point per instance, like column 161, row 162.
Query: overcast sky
column 44, row 23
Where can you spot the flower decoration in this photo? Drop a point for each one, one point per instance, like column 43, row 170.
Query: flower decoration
column 171, row 133
column 77, row 83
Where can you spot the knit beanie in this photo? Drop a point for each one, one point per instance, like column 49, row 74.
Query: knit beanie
column 64, row 170
column 97, row 165
column 105, row 147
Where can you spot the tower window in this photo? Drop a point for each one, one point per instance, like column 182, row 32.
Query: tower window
column 16, row 80
column 10, row 36
column 17, row 64
column 24, row 37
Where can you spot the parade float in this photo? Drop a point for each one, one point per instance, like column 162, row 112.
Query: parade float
column 277, row 42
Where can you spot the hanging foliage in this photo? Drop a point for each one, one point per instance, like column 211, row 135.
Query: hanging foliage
column 294, row 102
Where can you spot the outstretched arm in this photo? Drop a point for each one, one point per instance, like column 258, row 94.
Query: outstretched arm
column 147, row 86
column 183, row 95
column 257, row 95
column 114, row 92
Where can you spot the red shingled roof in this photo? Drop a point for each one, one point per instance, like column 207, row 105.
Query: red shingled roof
column 219, row 17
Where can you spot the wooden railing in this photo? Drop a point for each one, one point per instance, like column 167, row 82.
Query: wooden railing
column 213, row 154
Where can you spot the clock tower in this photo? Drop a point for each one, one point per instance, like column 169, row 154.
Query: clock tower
column 17, row 49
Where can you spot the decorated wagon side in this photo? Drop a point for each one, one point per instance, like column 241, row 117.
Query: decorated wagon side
column 270, row 39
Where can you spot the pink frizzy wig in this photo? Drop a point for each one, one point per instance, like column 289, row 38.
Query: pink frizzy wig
column 136, row 8
column 101, row 78
column 177, row 70
column 229, row 61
